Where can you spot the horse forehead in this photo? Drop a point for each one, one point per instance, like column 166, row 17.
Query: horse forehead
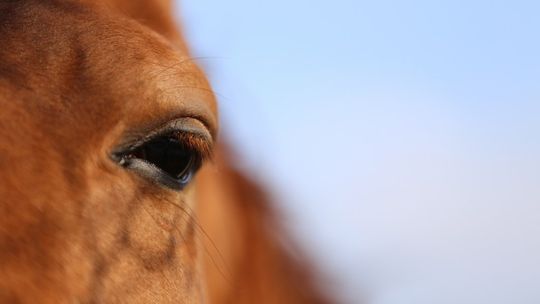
column 100, row 62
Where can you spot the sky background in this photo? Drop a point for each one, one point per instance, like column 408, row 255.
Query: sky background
column 402, row 138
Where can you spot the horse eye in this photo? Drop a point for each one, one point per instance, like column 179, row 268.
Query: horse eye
column 164, row 160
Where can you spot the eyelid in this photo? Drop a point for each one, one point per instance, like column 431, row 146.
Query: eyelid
column 189, row 130
column 155, row 175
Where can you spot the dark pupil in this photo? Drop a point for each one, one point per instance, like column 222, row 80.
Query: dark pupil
column 167, row 154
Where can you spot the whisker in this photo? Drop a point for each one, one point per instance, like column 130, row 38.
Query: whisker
column 209, row 239
column 213, row 244
column 157, row 224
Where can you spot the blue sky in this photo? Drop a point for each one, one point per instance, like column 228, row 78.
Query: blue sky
column 401, row 137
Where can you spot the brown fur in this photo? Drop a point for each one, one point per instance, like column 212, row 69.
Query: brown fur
column 76, row 78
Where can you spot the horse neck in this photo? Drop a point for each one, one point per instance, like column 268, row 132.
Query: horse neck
column 248, row 256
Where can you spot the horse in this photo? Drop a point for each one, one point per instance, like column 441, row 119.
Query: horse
column 114, row 185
